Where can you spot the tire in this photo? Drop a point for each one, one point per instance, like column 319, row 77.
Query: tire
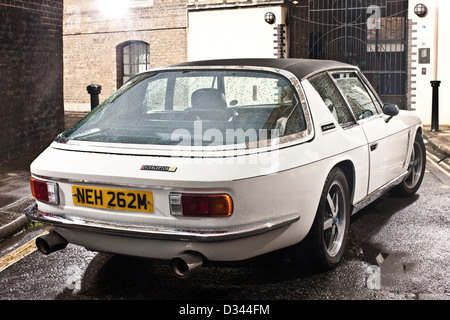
column 326, row 241
column 416, row 170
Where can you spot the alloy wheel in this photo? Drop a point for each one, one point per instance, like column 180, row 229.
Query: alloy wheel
column 335, row 219
column 415, row 166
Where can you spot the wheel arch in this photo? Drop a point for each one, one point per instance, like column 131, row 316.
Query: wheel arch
column 348, row 169
column 419, row 131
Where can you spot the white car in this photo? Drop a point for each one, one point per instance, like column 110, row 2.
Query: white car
column 226, row 160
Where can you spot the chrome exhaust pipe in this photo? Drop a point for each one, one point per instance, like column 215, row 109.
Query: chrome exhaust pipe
column 50, row 243
column 185, row 264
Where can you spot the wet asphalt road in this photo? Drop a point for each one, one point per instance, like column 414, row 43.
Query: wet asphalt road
column 398, row 249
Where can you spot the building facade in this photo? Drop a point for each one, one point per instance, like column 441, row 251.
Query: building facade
column 387, row 39
column 105, row 43
column 429, row 49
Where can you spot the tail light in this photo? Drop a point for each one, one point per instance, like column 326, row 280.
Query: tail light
column 200, row 205
column 45, row 191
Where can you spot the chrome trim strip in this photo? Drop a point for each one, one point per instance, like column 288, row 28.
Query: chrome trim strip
column 378, row 193
column 96, row 182
column 162, row 232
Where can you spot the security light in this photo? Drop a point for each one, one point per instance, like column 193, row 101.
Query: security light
column 420, row 10
column 269, row 17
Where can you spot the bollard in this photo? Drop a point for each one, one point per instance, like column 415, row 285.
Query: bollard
column 94, row 90
column 435, row 107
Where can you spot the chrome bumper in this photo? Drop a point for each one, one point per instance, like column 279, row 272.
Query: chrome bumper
column 162, row 232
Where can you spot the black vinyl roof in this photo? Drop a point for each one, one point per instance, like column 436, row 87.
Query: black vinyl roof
column 301, row 68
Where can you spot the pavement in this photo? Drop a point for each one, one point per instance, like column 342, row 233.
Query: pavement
column 15, row 194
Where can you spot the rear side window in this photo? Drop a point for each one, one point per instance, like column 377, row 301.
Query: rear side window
column 361, row 101
column 332, row 99
column 197, row 108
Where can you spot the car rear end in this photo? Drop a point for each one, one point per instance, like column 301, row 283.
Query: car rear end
column 161, row 171
column 116, row 206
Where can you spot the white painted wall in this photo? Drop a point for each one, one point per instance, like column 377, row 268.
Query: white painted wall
column 232, row 33
column 443, row 61
column 431, row 32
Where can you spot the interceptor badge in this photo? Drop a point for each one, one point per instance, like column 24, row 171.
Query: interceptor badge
column 158, row 168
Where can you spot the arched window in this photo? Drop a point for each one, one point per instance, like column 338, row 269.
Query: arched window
column 134, row 57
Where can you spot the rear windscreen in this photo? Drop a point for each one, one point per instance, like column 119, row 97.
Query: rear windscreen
column 196, row 108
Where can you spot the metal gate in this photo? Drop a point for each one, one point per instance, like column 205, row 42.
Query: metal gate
column 371, row 34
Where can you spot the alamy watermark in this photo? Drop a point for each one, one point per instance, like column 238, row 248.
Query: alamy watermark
column 374, row 277
column 73, row 278
column 229, row 146
column 374, row 273
column 374, row 20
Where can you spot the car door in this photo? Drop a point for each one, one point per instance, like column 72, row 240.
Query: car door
column 388, row 140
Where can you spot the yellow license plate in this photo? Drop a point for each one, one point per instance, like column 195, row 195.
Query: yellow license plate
column 113, row 199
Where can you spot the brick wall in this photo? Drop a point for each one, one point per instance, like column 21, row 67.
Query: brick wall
column 91, row 39
column 31, row 71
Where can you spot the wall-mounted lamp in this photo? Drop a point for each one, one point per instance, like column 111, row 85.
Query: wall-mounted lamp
column 269, row 17
column 420, row 10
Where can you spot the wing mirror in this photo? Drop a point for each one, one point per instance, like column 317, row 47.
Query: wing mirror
column 390, row 110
